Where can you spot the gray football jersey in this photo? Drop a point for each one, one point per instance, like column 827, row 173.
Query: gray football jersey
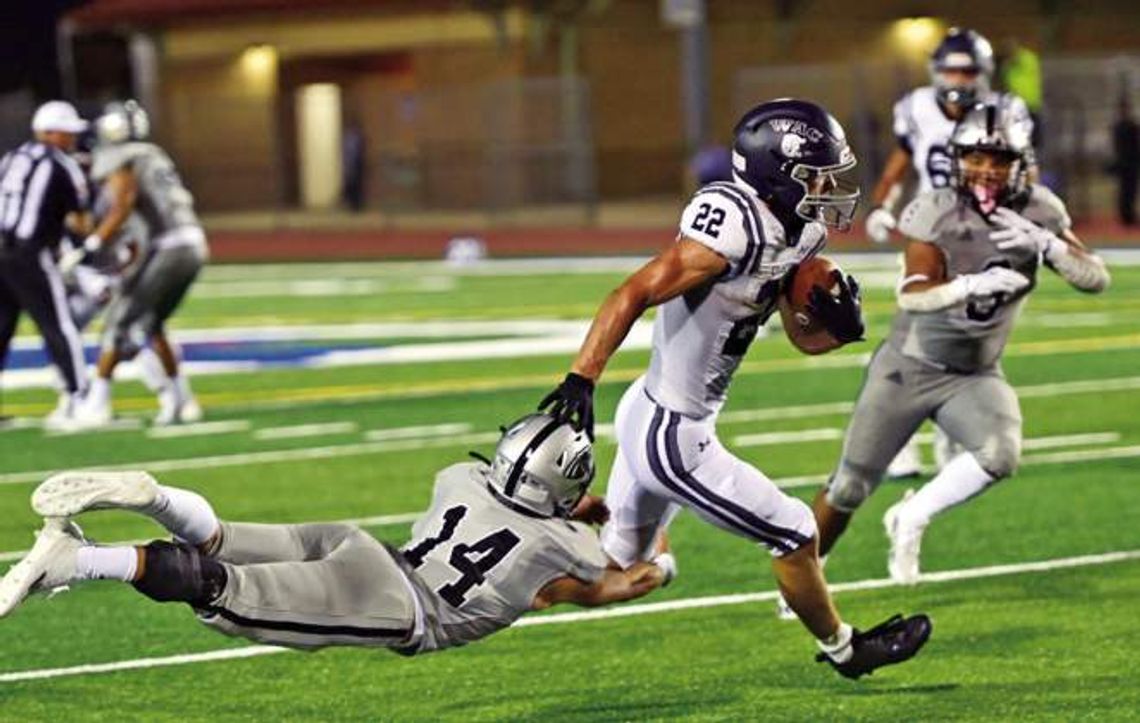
column 478, row 564
column 163, row 202
column 971, row 335
column 701, row 337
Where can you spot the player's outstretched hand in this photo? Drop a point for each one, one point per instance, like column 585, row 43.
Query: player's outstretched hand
column 592, row 510
column 892, row 641
column 995, row 280
column 880, row 223
column 840, row 313
column 572, row 401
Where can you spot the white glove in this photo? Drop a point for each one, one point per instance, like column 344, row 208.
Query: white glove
column 880, row 223
column 668, row 565
column 70, row 259
column 92, row 243
column 1019, row 233
column 998, row 280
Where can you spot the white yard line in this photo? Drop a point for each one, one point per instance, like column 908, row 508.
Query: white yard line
column 1050, row 442
column 619, row 611
column 420, row 432
column 200, row 429
column 792, row 437
column 305, row 430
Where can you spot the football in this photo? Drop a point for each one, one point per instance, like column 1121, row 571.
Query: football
column 817, row 271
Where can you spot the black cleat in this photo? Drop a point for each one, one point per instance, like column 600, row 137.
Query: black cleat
column 893, row 641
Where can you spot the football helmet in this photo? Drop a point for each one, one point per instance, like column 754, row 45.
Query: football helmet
column 1003, row 180
column 121, row 122
column 967, row 51
column 542, row 466
column 790, row 153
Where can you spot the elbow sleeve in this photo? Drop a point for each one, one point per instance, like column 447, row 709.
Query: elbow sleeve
column 1084, row 271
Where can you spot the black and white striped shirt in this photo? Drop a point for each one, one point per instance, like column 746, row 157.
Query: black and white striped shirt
column 39, row 186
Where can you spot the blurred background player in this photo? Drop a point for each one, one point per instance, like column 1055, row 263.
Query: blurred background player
column 139, row 177
column 719, row 283
column 971, row 260
column 497, row 542
column 961, row 71
column 41, row 186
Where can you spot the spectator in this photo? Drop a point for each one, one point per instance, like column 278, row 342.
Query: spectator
column 1126, row 161
column 352, row 164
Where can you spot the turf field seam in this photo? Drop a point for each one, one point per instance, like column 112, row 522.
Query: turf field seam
column 619, row 611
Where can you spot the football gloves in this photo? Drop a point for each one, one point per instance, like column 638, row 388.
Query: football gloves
column 880, row 222
column 892, row 641
column 993, row 281
column 572, row 401
column 1015, row 232
column 841, row 314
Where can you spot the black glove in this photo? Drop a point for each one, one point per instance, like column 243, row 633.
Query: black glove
column 842, row 314
column 574, row 397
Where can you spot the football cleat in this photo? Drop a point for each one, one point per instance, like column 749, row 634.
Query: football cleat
column 70, row 493
column 906, row 542
column 893, row 641
column 62, row 418
column 48, row 566
column 189, row 411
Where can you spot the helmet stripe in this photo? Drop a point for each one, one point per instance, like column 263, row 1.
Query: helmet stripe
column 513, row 478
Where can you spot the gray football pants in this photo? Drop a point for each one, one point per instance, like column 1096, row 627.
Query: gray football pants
column 979, row 411
column 311, row 586
column 149, row 298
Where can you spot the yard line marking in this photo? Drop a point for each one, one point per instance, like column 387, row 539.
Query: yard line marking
column 121, row 424
column 199, row 429
column 1050, row 442
column 305, row 430
column 793, row 437
column 621, row 611
column 427, row 430
column 272, row 456
column 1082, row 455
column 797, row 411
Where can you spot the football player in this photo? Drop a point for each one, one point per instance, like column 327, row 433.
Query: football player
column 737, row 246
column 140, row 178
column 973, row 256
column 497, row 541
column 961, row 69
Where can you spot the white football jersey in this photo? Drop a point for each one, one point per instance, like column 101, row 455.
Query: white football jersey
column 924, row 131
column 700, row 338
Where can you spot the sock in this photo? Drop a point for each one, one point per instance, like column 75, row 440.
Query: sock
column 99, row 391
column 182, row 383
column 187, row 515
column 150, row 370
column 959, row 480
column 838, row 646
column 106, row 563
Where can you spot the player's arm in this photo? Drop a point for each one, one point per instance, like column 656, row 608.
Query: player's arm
column 683, row 266
column 613, row 586
column 893, row 173
column 1063, row 251
column 925, row 286
column 122, row 189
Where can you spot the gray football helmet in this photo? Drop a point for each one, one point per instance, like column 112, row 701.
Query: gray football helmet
column 121, row 122
column 541, row 466
column 991, row 128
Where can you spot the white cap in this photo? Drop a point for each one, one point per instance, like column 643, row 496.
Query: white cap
column 58, row 115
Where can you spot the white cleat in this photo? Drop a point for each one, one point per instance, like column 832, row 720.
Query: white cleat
column 62, row 418
column 70, row 493
column 783, row 609
column 190, row 412
column 907, row 463
column 906, row 542
column 48, row 566
column 92, row 414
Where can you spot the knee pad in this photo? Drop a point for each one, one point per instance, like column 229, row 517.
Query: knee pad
column 848, row 488
column 179, row 573
column 1000, row 455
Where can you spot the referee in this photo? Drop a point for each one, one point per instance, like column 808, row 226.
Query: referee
column 40, row 185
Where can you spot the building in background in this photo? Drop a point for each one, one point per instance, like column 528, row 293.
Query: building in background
column 490, row 104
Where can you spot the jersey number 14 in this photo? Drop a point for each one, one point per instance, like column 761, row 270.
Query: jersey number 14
column 473, row 560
